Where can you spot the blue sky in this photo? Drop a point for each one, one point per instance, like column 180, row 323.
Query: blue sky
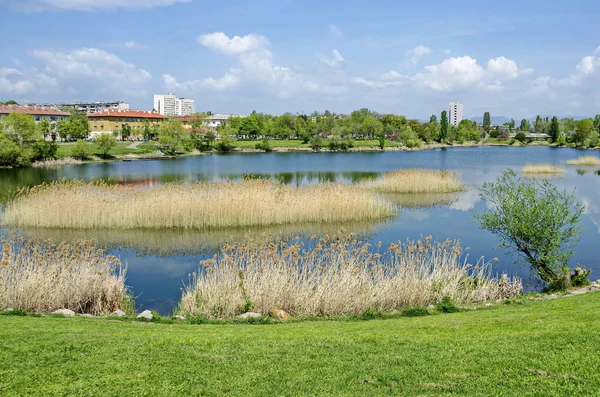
column 513, row 58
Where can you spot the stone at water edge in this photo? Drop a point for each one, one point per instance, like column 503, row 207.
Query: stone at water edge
column 64, row 312
column 250, row 315
column 8, row 309
column 118, row 313
column 280, row 314
column 430, row 307
column 147, row 314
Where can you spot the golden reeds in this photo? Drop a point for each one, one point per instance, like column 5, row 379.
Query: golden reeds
column 76, row 204
column 337, row 275
column 413, row 181
column 542, row 168
column 40, row 276
column 585, row 160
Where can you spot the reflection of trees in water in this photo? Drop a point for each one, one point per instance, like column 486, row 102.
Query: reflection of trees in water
column 583, row 171
column 163, row 242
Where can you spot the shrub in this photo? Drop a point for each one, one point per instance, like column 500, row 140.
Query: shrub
column 265, row 145
column 520, row 137
column 415, row 311
column 81, row 150
column 44, row 150
column 494, row 133
column 316, row 143
column 537, row 220
column 446, row 305
column 105, row 143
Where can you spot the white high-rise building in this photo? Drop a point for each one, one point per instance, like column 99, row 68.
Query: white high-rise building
column 456, row 113
column 170, row 105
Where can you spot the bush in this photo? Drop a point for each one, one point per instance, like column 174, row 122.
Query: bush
column 413, row 143
column 224, row 145
column 416, row 311
column 44, row 150
column 81, row 150
column 265, row 145
column 537, row 220
column 494, row 133
column 105, row 142
column 520, row 137
column 316, row 143
column 14, row 155
column 446, row 305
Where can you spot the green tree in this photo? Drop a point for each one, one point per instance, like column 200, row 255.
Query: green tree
column 583, row 131
column 537, row 220
column 371, row 127
column 20, row 128
column 249, row 126
column 487, row 122
column 81, row 150
column 173, row 137
column 444, row 127
column 597, row 121
column 105, row 142
column 433, row 118
column 125, row 132
column 525, row 126
column 147, row 129
column 44, row 127
column 554, row 129
column 226, row 143
column 11, row 102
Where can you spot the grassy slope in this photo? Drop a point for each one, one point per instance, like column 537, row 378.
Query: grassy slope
column 542, row 348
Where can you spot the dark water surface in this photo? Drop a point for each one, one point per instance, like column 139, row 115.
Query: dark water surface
column 159, row 262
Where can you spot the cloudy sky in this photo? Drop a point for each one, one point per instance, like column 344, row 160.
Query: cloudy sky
column 513, row 58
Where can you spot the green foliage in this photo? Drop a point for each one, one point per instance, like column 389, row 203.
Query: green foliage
column 444, row 127
column 487, row 122
column 44, row 150
column 10, row 102
column 13, row 154
column 521, row 137
column 535, row 219
column 583, row 130
column 249, row 126
column 125, row 132
column 265, row 145
column 446, row 305
column 227, row 142
column 415, row 311
column 76, row 126
column 81, row 150
column 580, row 276
column 525, row 126
column 381, row 141
column 494, row 133
column 105, row 142
column 173, row 137
column 20, row 128
column 316, row 143
column 554, row 129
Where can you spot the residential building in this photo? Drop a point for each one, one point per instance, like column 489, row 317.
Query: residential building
column 39, row 113
column 170, row 105
column 113, row 120
column 456, row 113
column 218, row 119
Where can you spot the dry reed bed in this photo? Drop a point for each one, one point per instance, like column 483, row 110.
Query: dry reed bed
column 190, row 206
column 337, row 276
column 414, row 181
column 542, row 168
column 40, row 276
column 585, row 160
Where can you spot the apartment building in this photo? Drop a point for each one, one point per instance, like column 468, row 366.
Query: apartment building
column 113, row 120
column 170, row 105
column 39, row 113
column 456, row 113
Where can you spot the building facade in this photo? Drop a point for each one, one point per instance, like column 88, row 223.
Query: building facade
column 456, row 113
column 39, row 113
column 91, row 107
column 170, row 105
column 112, row 121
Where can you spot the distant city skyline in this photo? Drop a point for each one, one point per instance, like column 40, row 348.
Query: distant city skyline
column 278, row 57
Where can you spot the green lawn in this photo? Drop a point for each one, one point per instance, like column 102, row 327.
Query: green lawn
column 65, row 149
column 540, row 348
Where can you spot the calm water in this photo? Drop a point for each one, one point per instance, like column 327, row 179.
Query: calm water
column 159, row 262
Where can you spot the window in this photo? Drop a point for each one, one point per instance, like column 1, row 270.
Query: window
column 37, row 118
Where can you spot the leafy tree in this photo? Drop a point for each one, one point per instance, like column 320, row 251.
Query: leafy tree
column 520, row 137
column 44, row 128
column 81, row 150
column 444, row 126
column 44, row 150
column 249, row 126
column 554, row 129
column 487, row 122
column 105, row 143
column 264, row 144
column 597, row 121
column 173, row 137
column 20, row 128
column 583, row 131
column 371, row 127
column 538, row 221
column 147, row 129
column 226, row 143
column 316, row 143
column 125, row 132
column 433, row 118
column 11, row 102
column 525, row 126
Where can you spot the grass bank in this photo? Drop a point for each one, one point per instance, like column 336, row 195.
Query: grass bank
column 40, row 276
column 65, row 149
column 190, row 206
column 337, row 276
column 540, row 348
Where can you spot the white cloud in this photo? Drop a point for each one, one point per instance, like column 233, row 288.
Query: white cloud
column 415, row 54
column 235, row 45
column 88, row 5
column 451, row 74
column 91, row 70
column 335, row 61
column 16, row 82
column 502, row 66
column 335, row 32
column 256, row 66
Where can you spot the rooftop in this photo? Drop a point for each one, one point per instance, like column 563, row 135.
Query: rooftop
column 32, row 110
column 142, row 114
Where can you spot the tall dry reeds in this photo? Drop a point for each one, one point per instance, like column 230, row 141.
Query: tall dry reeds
column 337, row 275
column 76, row 204
column 542, row 168
column 421, row 181
column 585, row 160
column 41, row 276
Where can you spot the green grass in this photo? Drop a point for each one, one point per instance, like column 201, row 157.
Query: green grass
column 65, row 149
column 295, row 143
column 540, row 348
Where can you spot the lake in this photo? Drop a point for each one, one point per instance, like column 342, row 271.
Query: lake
column 160, row 262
